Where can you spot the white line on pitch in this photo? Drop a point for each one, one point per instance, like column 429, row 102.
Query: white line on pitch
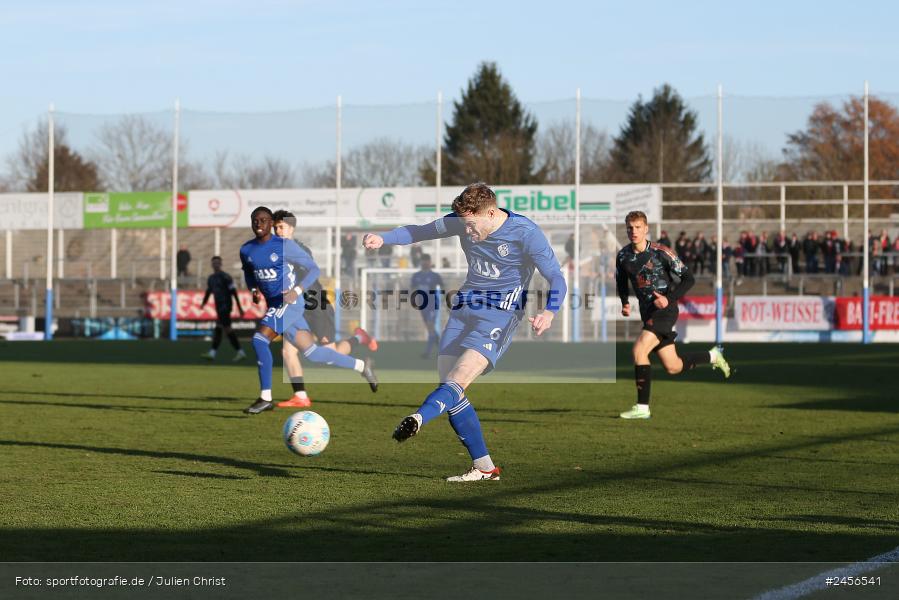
column 818, row 582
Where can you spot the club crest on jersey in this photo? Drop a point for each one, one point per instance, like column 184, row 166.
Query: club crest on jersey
column 503, row 249
column 274, row 257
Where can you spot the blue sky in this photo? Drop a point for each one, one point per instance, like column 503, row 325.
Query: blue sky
column 99, row 56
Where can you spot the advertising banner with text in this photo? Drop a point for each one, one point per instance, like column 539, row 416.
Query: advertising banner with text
column 698, row 307
column 158, row 305
column 389, row 207
column 690, row 307
column 132, row 210
column 780, row 313
column 29, row 211
column 882, row 310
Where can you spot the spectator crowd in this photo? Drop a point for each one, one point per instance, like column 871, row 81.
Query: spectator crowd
column 758, row 255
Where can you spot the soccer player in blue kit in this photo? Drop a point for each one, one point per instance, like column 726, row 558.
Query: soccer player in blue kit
column 424, row 284
column 269, row 265
column 503, row 249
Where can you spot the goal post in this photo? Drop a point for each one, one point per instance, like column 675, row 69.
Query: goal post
column 384, row 293
column 368, row 282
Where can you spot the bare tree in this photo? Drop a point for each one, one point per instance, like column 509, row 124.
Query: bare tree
column 747, row 161
column 133, row 155
column 242, row 172
column 383, row 162
column 192, row 175
column 556, row 153
column 319, row 175
column 31, row 154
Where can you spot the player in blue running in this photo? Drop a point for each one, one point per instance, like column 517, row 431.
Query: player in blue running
column 424, row 286
column 503, row 249
column 269, row 266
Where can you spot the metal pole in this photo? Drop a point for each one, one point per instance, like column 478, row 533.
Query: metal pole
column 783, row 208
column 60, row 254
column 566, row 313
column 329, row 255
column 9, row 253
column 603, row 293
column 576, row 296
column 363, row 305
column 439, row 175
column 162, row 247
column 338, row 177
column 51, row 184
column 845, row 211
column 113, row 252
column 866, row 293
column 719, row 300
column 173, row 319
column 217, row 242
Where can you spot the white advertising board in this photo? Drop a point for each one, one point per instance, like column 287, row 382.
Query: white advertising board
column 385, row 207
column 783, row 313
column 29, row 211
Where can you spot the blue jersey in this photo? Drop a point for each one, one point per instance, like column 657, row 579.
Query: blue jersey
column 426, row 281
column 500, row 267
column 271, row 267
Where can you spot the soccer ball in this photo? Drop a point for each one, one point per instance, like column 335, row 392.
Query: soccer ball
column 306, row 433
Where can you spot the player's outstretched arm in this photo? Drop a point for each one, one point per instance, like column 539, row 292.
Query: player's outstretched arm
column 538, row 248
column 544, row 258
column 444, row 227
column 295, row 255
column 372, row 241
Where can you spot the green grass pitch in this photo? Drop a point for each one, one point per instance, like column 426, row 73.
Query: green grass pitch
column 138, row 451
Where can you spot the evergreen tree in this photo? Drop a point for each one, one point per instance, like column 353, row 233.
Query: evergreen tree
column 491, row 138
column 71, row 173
column 659, row 142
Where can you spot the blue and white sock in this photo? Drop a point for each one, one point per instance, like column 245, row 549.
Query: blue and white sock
column 328, row 356
column 467, row 426
column 447, row 395
column 262, row 347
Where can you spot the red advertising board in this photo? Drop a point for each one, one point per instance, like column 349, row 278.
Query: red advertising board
column 883, row 312
column 158, row 306
column 698, row 307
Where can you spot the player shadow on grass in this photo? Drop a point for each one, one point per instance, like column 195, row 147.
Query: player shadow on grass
column 492, row 517
column 695, row 482
column 266, row 470
column 838, row 368
column 859, row 522
column 882, row 404
column 125, row 408
column 202, row 475
column 123, row 396
column 513, row 410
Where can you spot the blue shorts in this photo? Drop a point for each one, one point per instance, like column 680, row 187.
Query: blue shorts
column 487, row 331
column 286, row 319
